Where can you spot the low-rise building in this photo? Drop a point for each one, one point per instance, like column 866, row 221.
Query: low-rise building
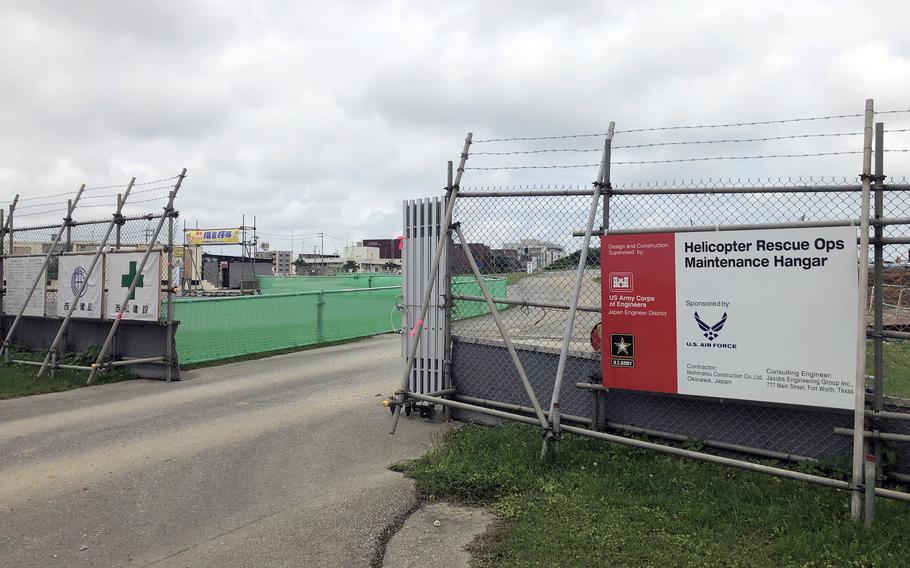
column 536, row 252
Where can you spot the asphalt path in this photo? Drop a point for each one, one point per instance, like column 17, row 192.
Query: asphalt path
column 276, row 462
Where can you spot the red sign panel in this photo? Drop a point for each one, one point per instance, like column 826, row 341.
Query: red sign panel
column 639, row 312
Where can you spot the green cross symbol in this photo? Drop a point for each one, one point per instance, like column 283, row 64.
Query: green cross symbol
column 126, row 280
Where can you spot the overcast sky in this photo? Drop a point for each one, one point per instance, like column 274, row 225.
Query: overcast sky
column 324, row 116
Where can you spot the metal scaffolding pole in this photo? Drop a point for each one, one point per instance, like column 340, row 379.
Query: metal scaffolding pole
column 550, row 448
column 431, row 280
column 877, row 324
column 856, row 484
column 99, row 255
column 41, row 274
column 168, row 210
column 169, row 348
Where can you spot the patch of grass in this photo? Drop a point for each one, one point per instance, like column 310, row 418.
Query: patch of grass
column 21, row 380
column 896, row 366
column 612, row 505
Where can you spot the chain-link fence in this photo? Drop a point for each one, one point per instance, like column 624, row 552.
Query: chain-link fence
column 531, row 237
column 38, row 231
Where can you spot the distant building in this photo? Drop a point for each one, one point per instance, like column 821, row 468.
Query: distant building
column 366, row 258
column 315, row 264
column 229, row 272
column 281, row 260
column 388, row 248
column 537, row 252
column 483, row 256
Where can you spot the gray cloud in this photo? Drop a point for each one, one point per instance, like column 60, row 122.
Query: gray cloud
column 325, row 115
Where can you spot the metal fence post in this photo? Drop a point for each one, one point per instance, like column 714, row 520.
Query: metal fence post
column 856, row 485
column 169, row 348
column 2, row 263
column 119, row 219
column 69, row 226
column 551, row 444
column 41, row 274
column 878, row 313
column 99, row 254
column 431, row 280
column 320, row 304
column 9, row 221
column 447, row 280
column 168, row 209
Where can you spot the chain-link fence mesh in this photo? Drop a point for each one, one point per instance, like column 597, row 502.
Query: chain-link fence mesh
column 528, row 235
column 40, row 221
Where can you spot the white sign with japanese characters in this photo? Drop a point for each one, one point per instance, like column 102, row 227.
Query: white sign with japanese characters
column 144, row 302
column 20, row 273
column 76, row 286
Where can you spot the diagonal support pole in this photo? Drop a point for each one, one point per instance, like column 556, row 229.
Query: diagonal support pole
column 42, row 272
column 431, row 280
column 55, row 345
column 494, row 311
column 550, row 449
column 168, row 211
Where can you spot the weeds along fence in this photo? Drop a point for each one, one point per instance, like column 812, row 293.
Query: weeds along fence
column 296, row 311
column 539, row 362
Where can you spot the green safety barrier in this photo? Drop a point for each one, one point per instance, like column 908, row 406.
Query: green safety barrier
column 219, row 328
column 285, row 284
column 468, row 286
column 310, row 310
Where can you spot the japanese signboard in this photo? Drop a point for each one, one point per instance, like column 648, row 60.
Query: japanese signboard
column 20, row 273
column 213, row 236
column 73, row 278
column 766, row 315
column 144, row 302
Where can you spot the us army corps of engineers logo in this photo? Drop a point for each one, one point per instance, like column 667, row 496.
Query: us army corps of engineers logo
column 622, row 350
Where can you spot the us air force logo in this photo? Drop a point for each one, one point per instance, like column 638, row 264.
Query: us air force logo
column 711, row 331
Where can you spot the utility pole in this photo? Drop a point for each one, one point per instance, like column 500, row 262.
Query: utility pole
column 322, row 251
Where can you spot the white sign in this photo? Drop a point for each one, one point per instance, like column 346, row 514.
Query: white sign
column 72, row 275
column 122, row 269
column 20, row 273
column 765, row 315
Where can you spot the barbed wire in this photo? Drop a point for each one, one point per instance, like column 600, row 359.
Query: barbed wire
column 125, row 185
column 524, row 187
column 95, row 188
column 47, row 196
column 676, row 143
column 688, row 127
column 47, row 212
column 672, row 161
column 547, row 167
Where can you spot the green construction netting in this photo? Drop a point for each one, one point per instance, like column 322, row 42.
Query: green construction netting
column 288, row 284
column 468, row 286
column 220, row 328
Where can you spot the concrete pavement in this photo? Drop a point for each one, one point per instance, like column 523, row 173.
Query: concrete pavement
column 276, row 462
